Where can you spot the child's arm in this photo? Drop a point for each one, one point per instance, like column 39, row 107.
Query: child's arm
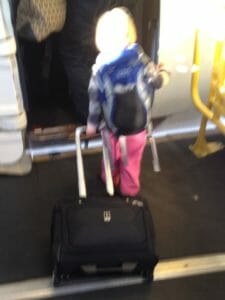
column 156, row 75
column 94, row 107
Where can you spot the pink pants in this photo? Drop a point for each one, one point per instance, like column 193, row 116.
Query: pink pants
column 126, row 172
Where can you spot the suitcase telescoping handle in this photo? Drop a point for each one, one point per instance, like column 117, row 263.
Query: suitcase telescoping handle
column 80, row 166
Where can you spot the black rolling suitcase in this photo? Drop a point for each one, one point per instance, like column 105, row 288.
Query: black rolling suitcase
column 101, row 236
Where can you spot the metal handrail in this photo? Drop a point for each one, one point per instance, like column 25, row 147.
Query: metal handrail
column 214, row 108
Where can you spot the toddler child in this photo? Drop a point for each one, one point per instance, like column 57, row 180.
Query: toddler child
column 119, row 93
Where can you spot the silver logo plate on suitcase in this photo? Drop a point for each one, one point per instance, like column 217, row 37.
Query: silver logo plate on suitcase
column 107, row 216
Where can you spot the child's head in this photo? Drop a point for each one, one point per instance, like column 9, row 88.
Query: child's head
column 115, row 30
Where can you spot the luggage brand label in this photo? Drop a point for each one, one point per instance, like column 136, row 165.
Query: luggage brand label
column 107, row 216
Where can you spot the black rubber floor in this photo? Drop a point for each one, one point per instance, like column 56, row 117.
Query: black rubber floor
column 187, row 200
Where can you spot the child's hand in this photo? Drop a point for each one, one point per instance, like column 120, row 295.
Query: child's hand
column 165, row 73
column 163, row 67
column 90, row 130
column 158, row 74
column 160, row 66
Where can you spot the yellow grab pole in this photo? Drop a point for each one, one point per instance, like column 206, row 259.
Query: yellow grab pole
column 217, row 81
column 201, row 148
column 218, row 100
column 195, row 80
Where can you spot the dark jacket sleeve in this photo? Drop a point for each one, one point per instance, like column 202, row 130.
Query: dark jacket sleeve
column 94, row 103
column 155, row 75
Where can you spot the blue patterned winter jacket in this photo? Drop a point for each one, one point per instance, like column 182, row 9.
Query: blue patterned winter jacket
column 120, row 91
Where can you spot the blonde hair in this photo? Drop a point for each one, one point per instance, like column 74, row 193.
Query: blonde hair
column 115, row 30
